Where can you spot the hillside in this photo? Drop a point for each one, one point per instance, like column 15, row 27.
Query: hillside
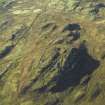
column 52, row 52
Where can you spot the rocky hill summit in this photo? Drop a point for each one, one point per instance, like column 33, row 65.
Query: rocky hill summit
column 52, row 52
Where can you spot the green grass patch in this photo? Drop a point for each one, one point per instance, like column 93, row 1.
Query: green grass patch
column 2, row 2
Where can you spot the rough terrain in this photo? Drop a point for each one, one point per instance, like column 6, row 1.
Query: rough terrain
column 52, row 52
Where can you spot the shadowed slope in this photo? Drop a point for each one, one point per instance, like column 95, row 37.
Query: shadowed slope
column 78, row 64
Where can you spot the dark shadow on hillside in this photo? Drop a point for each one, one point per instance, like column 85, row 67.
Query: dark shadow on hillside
column 72, row 27
column 78, row 64
column 75, row 35
column 74, row 30
column 6, row 51
column 100, row 5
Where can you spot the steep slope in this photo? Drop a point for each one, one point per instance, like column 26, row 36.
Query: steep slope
column 52, row 52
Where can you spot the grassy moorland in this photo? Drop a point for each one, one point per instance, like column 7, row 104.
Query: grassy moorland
column 52, row 53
